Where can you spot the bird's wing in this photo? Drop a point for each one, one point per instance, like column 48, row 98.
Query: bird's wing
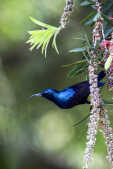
column 82, row 91
column 80, row 85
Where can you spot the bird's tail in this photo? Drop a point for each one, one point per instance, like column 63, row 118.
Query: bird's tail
column 101, row 75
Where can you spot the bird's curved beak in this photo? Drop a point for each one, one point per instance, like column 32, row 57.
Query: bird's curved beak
column 37, row 94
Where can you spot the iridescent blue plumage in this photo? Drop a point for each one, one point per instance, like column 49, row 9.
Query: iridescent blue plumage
column 71, row 96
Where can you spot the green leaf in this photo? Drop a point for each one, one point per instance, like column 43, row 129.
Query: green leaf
column 41, row 38
column 77, row 62
column 85, row 3
column 93, row 19
column 75, row 71
column 41, row 23
column 77, row 50
column 38, row 40
column 35, row 32
column 54, row 40
column 108, row 62
column 79, row 122
column 96, row 17
column 86, row 19
column 46, row 41
column 78, row 68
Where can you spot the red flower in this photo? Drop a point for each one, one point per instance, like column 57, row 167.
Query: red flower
column 106, row 43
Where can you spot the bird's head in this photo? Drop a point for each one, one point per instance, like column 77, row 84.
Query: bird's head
column 47, row 93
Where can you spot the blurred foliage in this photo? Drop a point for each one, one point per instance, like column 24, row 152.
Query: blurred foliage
column 34, row 133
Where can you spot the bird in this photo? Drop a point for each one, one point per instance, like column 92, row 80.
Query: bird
column 69, row 97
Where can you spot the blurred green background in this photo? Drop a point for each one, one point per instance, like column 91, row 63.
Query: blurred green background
column 35, row 133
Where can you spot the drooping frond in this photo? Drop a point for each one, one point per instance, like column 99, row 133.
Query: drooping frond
column 41, row 37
